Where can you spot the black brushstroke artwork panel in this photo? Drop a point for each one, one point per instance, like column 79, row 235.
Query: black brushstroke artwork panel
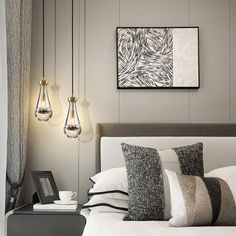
column 145, row 58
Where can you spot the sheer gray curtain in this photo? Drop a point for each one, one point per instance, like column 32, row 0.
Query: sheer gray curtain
column 3, row 113
column 18, row 28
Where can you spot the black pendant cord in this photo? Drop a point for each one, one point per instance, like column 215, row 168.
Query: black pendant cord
column 43, row 39
column 72, row 43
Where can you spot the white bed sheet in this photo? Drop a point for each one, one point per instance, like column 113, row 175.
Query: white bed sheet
column 111, row 224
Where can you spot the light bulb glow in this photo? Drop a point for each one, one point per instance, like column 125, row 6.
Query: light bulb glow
column 43, row 110
column 72, row 127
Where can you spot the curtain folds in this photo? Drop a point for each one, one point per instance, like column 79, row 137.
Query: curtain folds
column 18, row 28
column 3, row 116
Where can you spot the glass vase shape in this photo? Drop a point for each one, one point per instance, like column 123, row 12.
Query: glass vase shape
column 43, row 110
column 72, row 127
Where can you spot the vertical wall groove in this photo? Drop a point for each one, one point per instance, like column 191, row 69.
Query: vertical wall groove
column 117, row 71
column 55, row 41
column 230, row 76
column 85, row 50
column 79, row 49
column 189, row 23
column 79, row 79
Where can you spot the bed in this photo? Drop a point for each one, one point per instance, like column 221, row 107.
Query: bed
column 111, row 224
column 219, row 150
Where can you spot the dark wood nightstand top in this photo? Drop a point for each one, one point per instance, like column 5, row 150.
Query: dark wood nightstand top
column 27, row 222
column 28, row 210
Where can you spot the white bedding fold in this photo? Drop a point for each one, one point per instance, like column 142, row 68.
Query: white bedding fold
column 111, row 224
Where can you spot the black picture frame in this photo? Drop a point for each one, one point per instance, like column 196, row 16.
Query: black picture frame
column 160, row 87
column 45, row 186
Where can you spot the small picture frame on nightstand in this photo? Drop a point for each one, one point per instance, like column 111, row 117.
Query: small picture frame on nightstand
column 45, row 186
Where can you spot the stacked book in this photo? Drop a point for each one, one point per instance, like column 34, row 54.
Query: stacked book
column 54, row 207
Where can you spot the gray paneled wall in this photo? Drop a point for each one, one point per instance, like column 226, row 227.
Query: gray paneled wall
column 232, row 66
column 73, row 162
column 211, row 104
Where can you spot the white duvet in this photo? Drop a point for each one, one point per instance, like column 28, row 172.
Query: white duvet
column 111, row 224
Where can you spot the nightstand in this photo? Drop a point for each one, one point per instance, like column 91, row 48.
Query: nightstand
column 27, row 222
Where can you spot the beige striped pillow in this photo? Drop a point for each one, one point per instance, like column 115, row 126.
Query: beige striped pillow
column 199, row 201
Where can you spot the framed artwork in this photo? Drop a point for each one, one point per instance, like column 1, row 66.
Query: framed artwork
column 45, row 186
column 157, row 57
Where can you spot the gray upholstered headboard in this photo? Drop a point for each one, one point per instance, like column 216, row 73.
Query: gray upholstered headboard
column 171, row 130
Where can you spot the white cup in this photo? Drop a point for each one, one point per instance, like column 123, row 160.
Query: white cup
column 67, row 196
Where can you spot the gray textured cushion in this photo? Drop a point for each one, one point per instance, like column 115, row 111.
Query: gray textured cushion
column 145, row 185
column 191, row 159
column 146, row 188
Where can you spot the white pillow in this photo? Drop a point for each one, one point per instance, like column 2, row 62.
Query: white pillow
column 111, row 183
column 100, row 203
column 228, row 174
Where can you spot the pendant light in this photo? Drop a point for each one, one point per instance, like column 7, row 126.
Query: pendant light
column 43, row 110
column 72, row 127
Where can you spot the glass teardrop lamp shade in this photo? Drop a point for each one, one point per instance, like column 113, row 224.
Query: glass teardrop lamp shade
column 43, row 110
column 72, row 127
